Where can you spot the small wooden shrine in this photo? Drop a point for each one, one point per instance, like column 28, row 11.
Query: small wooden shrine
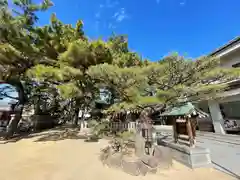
column 184, row 122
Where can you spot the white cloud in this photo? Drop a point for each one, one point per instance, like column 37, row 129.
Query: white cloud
column 116, row 14
column 120, row 15
column 111, row 26
column 111, row 4
column 120, row 18
column 105, row 8
column 108, row 4
column 182, row 3
column 98, row 15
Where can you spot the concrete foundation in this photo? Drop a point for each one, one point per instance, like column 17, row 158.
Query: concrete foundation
column 192, row 157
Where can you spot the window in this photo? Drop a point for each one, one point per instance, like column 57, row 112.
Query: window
column 236, row 65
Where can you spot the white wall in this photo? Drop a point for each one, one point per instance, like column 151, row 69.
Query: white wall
column 230, row 98
column 230, row 104
column 231, row 59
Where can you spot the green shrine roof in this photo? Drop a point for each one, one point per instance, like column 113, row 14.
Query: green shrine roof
column 101, row 101
column 185, row 109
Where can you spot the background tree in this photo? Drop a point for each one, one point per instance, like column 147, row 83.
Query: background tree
column 18, row 51
column 68, row 71
column 122, row 55
column 155, row 86
column 179, row 79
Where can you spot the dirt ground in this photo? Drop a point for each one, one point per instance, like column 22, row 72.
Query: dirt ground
column 74, row 159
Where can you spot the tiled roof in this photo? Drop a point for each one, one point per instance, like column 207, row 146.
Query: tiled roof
column 227, row 45
column 184, row 109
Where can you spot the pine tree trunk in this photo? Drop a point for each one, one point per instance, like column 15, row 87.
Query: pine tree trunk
column 37, row 108
column 76, row 119
column 75, row 114
column 18, row 109
column 13, row 123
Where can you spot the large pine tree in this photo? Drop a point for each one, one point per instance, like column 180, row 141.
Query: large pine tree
column 63, row 62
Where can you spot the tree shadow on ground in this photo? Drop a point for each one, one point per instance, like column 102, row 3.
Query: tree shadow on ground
column 18, row 137
column 61, row 135
column 58, row 133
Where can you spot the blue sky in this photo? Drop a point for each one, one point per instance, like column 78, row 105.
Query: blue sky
column 156, row 27
column 9, row 90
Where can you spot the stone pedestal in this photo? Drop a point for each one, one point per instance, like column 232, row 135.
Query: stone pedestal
column 192, row 157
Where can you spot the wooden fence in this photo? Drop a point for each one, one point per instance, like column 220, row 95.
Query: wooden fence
column 118, row 126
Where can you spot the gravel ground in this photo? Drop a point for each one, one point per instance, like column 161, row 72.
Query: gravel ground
column 74, row 159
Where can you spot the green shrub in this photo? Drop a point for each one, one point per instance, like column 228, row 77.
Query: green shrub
column 125, row 135
column 99, row 128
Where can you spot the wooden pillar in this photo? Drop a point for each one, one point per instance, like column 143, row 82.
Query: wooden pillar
column 194, row 125
column 189, row 131
column 175, row 133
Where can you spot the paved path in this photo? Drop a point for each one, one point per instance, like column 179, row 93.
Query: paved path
column 225, row 153
column 225, row 150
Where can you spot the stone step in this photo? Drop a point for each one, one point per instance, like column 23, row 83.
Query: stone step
column 230, row 139
column 167, row 132
column 220, row 136
column 230, row 142
column 217, row 134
